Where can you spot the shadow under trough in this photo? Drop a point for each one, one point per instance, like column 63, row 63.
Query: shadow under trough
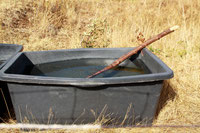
column 167, row 94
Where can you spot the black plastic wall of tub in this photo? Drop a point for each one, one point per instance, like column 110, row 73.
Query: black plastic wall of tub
column 6, row 107
column 81, row 100
column 70, row 104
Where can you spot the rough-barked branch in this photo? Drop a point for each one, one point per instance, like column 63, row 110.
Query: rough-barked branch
column 136, row 50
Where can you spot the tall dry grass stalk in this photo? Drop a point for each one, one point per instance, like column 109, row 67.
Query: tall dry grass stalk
column 47, row 25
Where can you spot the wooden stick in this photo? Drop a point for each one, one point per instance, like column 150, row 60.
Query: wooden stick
column 137, row 49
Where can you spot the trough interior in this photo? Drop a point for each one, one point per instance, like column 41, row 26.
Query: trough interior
column 78, row 68
column 39, row 61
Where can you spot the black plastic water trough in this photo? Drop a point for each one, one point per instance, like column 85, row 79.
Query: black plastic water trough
column 7, row 51
column 50, row 86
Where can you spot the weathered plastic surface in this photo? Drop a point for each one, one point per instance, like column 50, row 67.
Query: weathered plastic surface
column 81, row 100
column 7, row 51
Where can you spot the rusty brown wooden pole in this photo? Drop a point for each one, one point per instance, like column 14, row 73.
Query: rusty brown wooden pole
column 137, row 49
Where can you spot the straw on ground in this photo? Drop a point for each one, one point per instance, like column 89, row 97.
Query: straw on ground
column 47, row 25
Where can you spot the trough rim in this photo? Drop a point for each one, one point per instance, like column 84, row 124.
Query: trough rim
column 85, row 82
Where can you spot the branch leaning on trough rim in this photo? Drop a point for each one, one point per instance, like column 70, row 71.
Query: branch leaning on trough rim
column 136, row 50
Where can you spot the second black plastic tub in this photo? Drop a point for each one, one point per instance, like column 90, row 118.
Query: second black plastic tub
column 7, row 51
column 46, row 86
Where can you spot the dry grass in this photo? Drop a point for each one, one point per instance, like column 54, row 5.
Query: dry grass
column 46, row 25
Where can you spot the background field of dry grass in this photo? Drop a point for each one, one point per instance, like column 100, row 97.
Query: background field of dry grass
column 65, row 24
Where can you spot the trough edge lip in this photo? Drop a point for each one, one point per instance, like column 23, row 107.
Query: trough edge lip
column 85, row 82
